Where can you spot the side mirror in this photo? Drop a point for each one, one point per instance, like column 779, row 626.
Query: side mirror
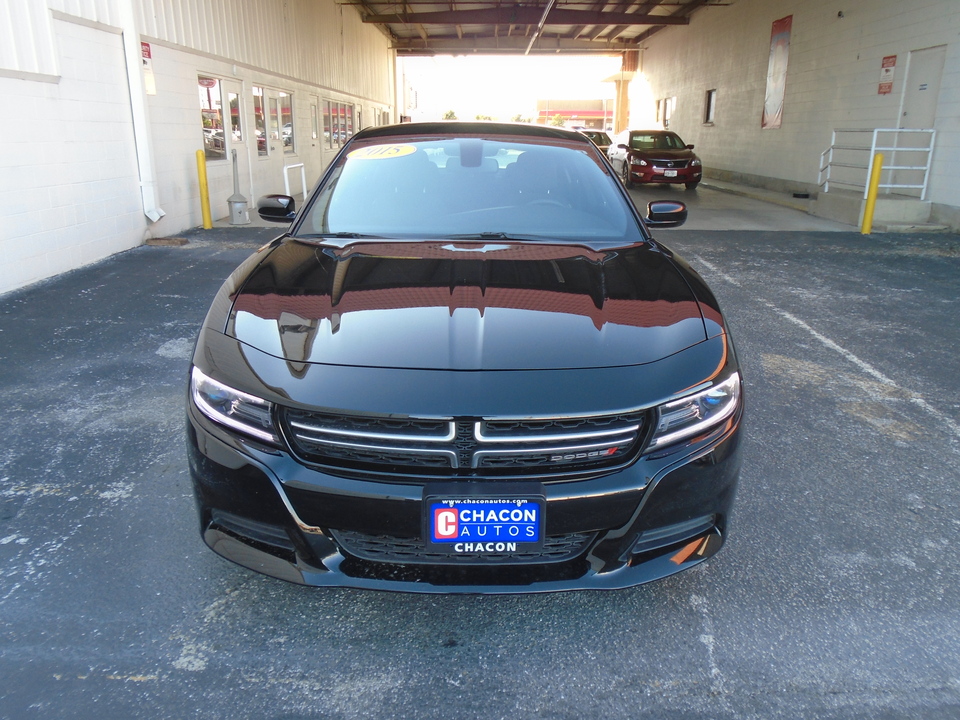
column 623, row 147
column 277, row 208
column 689, row 147
column 666, row 214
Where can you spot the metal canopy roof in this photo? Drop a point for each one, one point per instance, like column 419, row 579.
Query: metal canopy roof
column 426, row 27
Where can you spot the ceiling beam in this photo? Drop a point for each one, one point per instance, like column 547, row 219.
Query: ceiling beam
column 524, row 16
column 642, row 10
column 687, row 10
column 513, row 45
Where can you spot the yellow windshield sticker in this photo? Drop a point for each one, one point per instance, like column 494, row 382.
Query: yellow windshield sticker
column 382, row 152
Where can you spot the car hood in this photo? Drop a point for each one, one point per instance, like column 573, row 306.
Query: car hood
column 683, row 154
column 466, row 305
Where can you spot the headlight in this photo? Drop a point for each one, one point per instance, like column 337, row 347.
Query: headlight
column 692, row 415
column 237, row 410
column 642, row 163
column 695, row 162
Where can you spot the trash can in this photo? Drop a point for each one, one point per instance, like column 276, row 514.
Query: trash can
column 238, row 210
column 237, row 202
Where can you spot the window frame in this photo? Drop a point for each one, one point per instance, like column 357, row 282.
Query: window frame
column 285, row 118
column 710, row 106
column 260, row 120
column 211, row 112
column 340, row 122
column 669, row 110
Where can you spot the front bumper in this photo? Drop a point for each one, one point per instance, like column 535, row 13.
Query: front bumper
column 262, row 509
column 651, row 174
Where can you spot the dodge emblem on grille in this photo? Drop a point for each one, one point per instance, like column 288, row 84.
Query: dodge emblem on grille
column 583, row 455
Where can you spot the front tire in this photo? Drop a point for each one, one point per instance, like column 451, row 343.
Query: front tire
column 692, row 185
column 625, row 175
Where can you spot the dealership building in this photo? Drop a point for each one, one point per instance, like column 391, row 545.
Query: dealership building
column 107, row 102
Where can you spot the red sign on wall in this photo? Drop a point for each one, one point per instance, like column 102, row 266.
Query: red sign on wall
column 887, row 68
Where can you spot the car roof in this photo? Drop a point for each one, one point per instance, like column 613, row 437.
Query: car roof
column 455, row 129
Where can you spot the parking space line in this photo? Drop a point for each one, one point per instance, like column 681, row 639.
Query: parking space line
column 864, row 366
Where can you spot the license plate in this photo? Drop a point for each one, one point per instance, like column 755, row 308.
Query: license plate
column 669, row 173
column 484, row 521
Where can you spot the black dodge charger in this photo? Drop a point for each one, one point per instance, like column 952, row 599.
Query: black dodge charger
column 466, row 367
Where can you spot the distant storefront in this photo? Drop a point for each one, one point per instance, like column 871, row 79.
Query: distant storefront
column 590, row 114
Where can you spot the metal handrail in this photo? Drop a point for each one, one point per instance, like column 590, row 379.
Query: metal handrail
column 827, row 162
column 303, row 178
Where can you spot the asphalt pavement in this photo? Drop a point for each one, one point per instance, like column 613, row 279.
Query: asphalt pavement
column 837, row 595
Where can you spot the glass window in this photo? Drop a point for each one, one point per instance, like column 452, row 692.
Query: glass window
column 285, row 101
column 656, row 141
column 669, row 107
column 337, row 119
column 341, row 123
column 710, row 106
column 347, row 122
column 327, row 125
column 211, row 118
column 236, row 132
column 314, row 120
column 274, row 119
column 492, row 185
column 260, row 119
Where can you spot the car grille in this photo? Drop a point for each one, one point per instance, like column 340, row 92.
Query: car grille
column 463, row 447
column 385, row 548
column 675, row 164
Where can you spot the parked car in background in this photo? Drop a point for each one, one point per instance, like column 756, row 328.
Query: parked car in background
column 654, row 156
column 466, row 366
column 600, row 139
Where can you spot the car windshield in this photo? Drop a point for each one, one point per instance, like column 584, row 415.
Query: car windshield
column 656, row 141
column 471, row 187
column 600, row 138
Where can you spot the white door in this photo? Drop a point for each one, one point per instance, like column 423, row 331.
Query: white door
column 284, row 141
column 922, row 89
column 238, row 134
column 267, row 167
column 921, row 94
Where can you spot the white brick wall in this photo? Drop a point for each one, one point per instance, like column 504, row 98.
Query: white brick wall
column 174, row 115
column 69, row 180
column 26, row 40
column 832, row 79
column 69, row 189
column 320, row 40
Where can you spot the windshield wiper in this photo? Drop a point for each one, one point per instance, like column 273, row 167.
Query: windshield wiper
column 345, row 235
column 494, row 236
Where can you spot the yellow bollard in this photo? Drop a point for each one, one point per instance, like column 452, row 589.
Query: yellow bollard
column 204, row 189
column 867, row 225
